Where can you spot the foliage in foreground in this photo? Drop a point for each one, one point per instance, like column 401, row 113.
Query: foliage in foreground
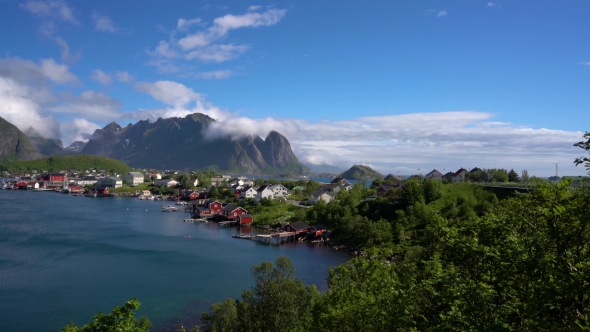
column 120, row 319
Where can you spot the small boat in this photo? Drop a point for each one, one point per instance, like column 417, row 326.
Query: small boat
column 169, row 208
column 181, row 203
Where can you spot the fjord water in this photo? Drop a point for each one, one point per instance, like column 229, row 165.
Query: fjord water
column 64, row 258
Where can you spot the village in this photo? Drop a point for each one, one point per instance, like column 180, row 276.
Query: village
column 218, row 198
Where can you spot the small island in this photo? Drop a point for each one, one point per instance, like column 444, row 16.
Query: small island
column 361, row 172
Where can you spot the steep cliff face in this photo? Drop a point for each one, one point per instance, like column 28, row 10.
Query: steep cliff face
column 75, row 147
column 14, row 144
column 178, row 143
column 46, row 146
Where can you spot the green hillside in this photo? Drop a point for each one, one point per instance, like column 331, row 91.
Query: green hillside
column 76, row 162
column 361, row 172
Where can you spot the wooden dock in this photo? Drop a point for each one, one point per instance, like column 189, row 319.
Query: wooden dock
column 275, row 238
column 194, row 220
column 227, row 223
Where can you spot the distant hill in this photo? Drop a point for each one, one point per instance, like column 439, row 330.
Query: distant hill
column 57, row 163
column 14, row 144
column 360, row 172
column 179, row 143
column 324, row 169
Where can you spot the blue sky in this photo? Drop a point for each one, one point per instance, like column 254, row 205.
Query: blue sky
column 398, row 85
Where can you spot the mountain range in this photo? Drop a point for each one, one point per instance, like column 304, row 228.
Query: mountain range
column 172, row 143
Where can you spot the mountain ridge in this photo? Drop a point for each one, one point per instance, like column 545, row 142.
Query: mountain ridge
column 178, row 143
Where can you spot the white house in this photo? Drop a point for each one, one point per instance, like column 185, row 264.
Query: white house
column 195, row 182
column 218, row 181
column 434, row 175
column 264, row 192
column 134, row 178
column 459, row 176
column 166, row 183
column 109, row 182
column 87, row 180
column 320, row 194
column 278, row 190
column 248, row 192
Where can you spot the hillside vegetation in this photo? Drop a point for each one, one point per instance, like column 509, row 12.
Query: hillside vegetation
column 76, row 162
column 361, row 172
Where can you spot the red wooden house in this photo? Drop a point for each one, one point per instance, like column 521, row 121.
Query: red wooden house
column 297, row 228
column 232, row 211
column 316, row 230
column 21, row 185
column 57, row 177
column 210, row 209
column 245, row 219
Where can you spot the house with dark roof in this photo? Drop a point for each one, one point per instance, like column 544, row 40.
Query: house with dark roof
column 381, row 191
column 316, row 230
column 232, row 212
column 434, row 175
column 459, row 176
column 297, row 227
column 342, row 182
column 245, row 219
column 264, row 192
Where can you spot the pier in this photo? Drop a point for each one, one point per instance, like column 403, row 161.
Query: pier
column 228, row 223
column 275, row 238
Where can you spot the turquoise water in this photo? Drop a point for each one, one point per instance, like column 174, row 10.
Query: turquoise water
column 64, row 258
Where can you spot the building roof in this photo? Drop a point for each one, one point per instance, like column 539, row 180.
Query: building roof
column 329, row 186
column 318, row 227
column 135, row 174
column 299, row 225
column 459, row 171
column 230, row 208
column 434, row 173
column 245, row 215
column 387, row 187
column 89, row 178
column 262, row 187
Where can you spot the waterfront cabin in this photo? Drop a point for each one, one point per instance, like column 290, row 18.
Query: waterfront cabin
column 232, row 212
column 210, row 209
column 245, row 219
column 297, row 227
column 316, row 230
column 32, row 185
column 21, row 185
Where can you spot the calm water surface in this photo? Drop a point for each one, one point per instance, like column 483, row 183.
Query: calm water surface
column 64, row 258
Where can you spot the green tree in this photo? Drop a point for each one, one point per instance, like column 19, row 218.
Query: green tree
column 524, row 176
column 120, row 319
column 586, row 146
column 432, row 190
column 277, row 302
column 213, row 192
column 513, row 176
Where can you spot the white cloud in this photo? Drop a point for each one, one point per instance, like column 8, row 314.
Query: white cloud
column 103, row 23
column 184, row 24
column 217, row 53
column 442, row 13
column 101, row 77
column 587, row 63
column 218, row 74
column 30, row 72
column 65, row 51
column 201, row 45
column 124, row 77
column 55, row 9
column 89, row 104
column 195, row 40
column 77, row 130
column 20, row 105
column 164, row 50
column 169, row 92
column 491, row 4
column 222, row 25
column 58, row 73
column 254, row 8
